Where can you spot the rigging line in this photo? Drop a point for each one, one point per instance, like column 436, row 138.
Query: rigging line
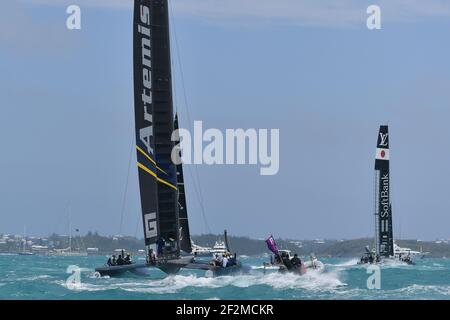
column 186, row 104
column 126, row 186
column 137, row 225
column 202, row 208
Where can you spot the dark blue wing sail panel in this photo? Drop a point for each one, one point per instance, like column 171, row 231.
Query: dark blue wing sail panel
column 154, row 122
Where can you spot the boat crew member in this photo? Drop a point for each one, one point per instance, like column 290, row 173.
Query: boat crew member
column 112, row 261
column 287, row 262
column 151, row 257
column 160, row 243
column 277, row 259
column 218, row 261
column 296, row 262
column 215, row 261
column 232, row 260
column 127, row 259
column 120, row 260
column 225, row 261
column 313, row 262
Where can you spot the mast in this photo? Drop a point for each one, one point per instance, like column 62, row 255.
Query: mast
column 225, row 237
column 24, row 239
column 154, row 123
column 185, row 236
column 383, row 209
column 70, row 235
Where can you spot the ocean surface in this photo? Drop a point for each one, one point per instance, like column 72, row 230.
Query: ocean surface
column 45, row 277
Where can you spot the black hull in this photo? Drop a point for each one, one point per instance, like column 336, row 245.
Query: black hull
column 411, row 263
column 214, row 271
column 140, row 269
column 143, row 269
column 172, row 267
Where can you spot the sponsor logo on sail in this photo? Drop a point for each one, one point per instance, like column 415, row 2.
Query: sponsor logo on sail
column 146, row 133
column 150, row 225
column 383, row 139
column 384, row 196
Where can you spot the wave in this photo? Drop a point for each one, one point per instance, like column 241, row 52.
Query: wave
column 414, row 291
column 388, row 264
column 310, row 281
column 34, row 278
column 83, row 286
column 175, row 283
column 349, row 263
column 428, row 289
column 267, row 268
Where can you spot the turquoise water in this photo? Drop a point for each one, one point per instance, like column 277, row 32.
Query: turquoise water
column 41, row 277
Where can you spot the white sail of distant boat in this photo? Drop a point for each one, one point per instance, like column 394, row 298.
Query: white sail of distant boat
column 79, row 252
column 24, row 251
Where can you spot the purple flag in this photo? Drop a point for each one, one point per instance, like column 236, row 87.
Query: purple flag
column 272, row 245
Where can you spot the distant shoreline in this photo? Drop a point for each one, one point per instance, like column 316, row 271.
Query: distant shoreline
column 241, row 245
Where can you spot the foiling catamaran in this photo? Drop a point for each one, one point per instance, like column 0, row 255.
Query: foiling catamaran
column 385, row 249
column 163, row 200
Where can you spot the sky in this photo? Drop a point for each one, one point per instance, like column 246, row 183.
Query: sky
column 309, row 68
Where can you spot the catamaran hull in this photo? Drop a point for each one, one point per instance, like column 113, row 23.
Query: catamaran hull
column 228, row 271
column 140, row 269
column 388, row 261
column 170, row 268
column 214, row 271
column 174, row 266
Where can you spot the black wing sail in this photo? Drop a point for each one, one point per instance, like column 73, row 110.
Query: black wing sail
column 383, row 212
column 185, row 236
column 154, row 122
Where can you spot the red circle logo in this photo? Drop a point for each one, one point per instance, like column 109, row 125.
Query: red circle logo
column 383, row 153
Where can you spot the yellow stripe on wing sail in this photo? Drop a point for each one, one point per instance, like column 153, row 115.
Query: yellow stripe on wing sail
column 151, row 160
column 141, row 166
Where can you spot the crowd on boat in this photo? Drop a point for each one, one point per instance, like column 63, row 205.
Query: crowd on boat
column 224, row 260
column 370, row 257
column 121, row 260
column 407, row 259
column 290, row 264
